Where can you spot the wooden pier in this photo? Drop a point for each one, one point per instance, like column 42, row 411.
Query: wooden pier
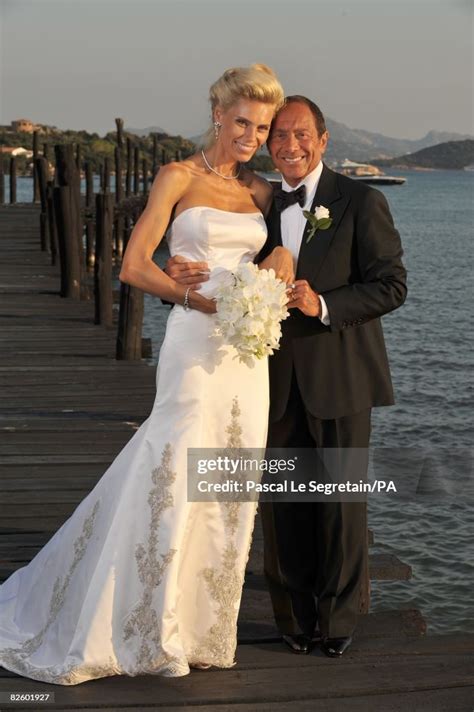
column 67, row 409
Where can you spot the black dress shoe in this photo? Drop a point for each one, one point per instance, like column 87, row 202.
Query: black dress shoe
column 299, row 644
column 335, row 647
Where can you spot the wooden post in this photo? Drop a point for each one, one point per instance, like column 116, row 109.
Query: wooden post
column 128, row 177
column 119, row 125
column 163, row 156
column 2, row 183
column 118, row 224
column 67, row 242
column 145, row 176
column 178, row 156
column 53, row 233
column 46, row 150
column 136, row 171
column 36, row 195
column 154, row 167
column 41, row 171
column 103, row 260
column 129, row 335
column 79, row 158
column 67, row 204
column 118, row 175
column 106, row 185
column 89, row 184
column 90, row 256
column 13, row 179
column 101, row 176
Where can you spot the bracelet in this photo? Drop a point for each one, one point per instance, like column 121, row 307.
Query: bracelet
column 186, row 305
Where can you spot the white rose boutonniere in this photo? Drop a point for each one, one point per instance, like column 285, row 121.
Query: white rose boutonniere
column 319, row 220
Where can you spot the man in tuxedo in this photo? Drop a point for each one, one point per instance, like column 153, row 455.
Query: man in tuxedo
column 330, row 370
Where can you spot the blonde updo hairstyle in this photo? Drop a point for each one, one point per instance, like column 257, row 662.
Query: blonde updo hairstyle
column 257, row 82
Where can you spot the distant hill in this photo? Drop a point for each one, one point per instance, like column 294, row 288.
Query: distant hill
column 147, row 131
column 360, row 145
column 451, row 155
column 364, row 146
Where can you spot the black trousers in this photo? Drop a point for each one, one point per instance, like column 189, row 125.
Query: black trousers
column 315, row 553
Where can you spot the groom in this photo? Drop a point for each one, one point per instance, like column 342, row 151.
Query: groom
column 330, row 370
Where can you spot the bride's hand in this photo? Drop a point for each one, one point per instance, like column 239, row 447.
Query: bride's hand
column 280, row 260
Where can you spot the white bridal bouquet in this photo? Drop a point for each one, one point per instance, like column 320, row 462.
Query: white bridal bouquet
column 250, row 306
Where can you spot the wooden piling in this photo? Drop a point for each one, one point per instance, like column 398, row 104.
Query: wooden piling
column 67, row 206
column 118, row 175
column 41, row 171
column 103, row 260
column 119, row 125
column 106, row 183
column 12, row 180
column 154, row 167
column 118, row 224
column 128, row 175
column 36, row 195
column 136, row 170
column 129, row 335
column 90, row 254
column 79, row 158
column 145, row 176
column 2, row 183
column 52, row 229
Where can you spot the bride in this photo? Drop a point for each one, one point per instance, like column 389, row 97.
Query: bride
column 139, row 580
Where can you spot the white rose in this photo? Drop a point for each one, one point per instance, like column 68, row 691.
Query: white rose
column 321, row 212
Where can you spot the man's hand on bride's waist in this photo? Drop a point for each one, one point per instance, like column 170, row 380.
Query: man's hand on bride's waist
column 186, row 272
column 280, row 260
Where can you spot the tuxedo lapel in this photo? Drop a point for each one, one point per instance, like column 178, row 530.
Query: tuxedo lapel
column 313, row 253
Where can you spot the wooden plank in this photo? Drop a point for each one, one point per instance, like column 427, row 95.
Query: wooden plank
column 319, row 678
column 452, row 700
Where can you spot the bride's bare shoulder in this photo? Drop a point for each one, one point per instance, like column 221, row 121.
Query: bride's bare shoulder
column 181, row 172
column 176, row 177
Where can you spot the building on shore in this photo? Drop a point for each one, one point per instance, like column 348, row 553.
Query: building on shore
column 15, row 151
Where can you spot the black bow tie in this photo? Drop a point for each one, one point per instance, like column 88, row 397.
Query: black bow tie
column 283, row 198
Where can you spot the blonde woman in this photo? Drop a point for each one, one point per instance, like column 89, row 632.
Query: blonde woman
column 139, row 580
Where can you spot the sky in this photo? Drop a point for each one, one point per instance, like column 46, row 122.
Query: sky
column 397, row 67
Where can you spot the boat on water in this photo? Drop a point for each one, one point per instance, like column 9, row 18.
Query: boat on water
column 366, row 173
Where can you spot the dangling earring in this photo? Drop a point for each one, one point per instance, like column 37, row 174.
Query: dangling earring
column 217, row 127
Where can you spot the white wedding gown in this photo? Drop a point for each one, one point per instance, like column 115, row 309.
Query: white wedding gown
column 139, row 580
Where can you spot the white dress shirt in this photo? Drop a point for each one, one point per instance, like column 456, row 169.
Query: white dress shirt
column 293, row 223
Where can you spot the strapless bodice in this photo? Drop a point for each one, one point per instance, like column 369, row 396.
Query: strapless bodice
column 221, row 238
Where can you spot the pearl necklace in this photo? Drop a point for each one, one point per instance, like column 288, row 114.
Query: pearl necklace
column 217, row 172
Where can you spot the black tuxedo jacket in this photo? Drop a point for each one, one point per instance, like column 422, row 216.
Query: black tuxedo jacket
column 356, row 265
